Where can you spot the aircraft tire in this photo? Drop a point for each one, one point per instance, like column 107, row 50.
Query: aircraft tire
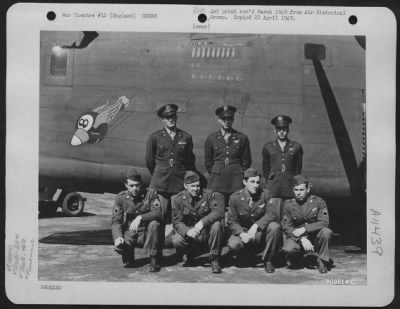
column 73, row 204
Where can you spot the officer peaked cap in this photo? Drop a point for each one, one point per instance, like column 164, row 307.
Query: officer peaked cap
column 167, row 110
column 299, row 180
column 191, row 177
column 133, row 175
column 281, row 121
column 225, row 111
column 250, row 172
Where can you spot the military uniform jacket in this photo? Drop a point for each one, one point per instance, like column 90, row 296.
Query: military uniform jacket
column 312, row 215
column 167, row 159
column 126, row 209
column 208, row 208
column 276, row 162
column 241, row 216
column 226, row 161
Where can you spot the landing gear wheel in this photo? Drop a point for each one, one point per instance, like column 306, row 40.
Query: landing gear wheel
column 73, row 204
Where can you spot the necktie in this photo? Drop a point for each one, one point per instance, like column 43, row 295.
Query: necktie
column 282, row 145
column 226, row 136
column 251, row 202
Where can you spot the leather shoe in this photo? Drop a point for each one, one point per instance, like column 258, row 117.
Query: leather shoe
column 269, row 268
column 294, row 261
column 241, row 261
column 188, row 260
column 321, row 266
column 215, row 267
column 154, row 265
column 128, row 260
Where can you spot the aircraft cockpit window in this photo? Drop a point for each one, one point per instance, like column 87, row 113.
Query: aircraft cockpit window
column 58, row 61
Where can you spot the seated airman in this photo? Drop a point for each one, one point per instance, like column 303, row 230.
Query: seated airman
column 136, row 222
column 252, row 221
column 197, row 217
column 305, row 222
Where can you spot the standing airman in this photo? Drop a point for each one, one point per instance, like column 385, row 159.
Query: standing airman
column 252, row 220
column 227, row 154
column 169, row 153
column 305, row 224
column 136, row 222
column 281, row 159
column 197, row 214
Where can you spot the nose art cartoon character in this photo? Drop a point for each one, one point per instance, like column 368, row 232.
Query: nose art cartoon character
column 92, row 126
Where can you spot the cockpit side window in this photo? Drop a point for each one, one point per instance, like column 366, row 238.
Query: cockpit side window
column 57, row 64
column 59, row 61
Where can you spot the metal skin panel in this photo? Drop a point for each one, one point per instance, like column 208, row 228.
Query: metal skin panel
column 262, row 76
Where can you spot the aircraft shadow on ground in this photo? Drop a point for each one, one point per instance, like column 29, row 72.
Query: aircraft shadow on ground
column 88, row 237
column 62, row 215
column 104, row 237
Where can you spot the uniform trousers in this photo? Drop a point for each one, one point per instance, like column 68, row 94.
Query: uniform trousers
column 212, row 235
column 320, row 240
column 146, row 237
column 270, row 239
column 166, row 214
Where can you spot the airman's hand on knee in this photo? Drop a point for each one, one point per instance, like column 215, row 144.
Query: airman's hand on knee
column 245, row 237
column 307, row 245
column 192, row 233
column 118, row 241
column 298, row 232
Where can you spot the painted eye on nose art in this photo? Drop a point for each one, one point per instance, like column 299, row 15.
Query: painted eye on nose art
column 85, row 122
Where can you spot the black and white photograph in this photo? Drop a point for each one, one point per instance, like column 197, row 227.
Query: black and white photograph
column 198, row 158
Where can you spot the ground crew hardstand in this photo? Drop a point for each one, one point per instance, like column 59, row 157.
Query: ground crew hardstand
column 229, row 207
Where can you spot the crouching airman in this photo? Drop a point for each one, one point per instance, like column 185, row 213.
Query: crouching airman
column 305, row 222
column 252, row 219
column 197, row 217
column 136, row 221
